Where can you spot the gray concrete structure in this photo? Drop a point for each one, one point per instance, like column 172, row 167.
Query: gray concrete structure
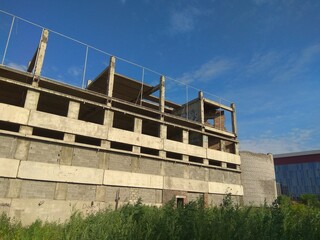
column 258, row 178
column 64, row 148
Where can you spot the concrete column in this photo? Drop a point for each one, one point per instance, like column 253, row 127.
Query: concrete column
column 73, row 112
column 200, row 95
column 40, row 56
column 31, row 103
column 224, row 165
column 205, row 144
column 222, row 145
column 162, row 94
column 112, row 64
column 137, row 129
column 234, row 119
column 108, row 122
column 185, row 139
column 163, row 136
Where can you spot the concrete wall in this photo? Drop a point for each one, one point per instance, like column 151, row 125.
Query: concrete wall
column 258, row 178
column 48, row 180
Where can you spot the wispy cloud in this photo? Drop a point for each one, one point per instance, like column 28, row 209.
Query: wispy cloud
column 17, row 66
column 75, row 71
column 296, row 140
column 184, row 20
column 207, row 71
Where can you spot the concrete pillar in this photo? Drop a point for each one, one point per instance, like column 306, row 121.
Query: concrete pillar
column 108, row 122
column 31, row 103
column 234, row 119
column 73, row 112
column 222, row 145
column 40, row 56
column 162, row 94
column 163, row 136
column 205, row 144
column 137, row 129
column 112, row 64
column 224, row 165
column 185, row 139
column 200, row 95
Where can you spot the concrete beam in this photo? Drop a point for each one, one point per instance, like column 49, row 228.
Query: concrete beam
column 120, row 178
column 59, row 173
column 13, row 114
column 9, row 167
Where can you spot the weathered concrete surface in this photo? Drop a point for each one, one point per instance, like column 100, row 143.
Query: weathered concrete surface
column 9, row 167
column 13, row 114
column 258, row 178
column 59, row 173
column 118, row 178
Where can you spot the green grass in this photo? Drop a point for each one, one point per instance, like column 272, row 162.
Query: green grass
column 284, row 219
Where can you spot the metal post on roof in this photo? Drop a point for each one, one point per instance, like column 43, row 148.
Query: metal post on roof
column 141, row 93
column 187, row 98
column 8, row 40
column 85, row 68
column 162, row 94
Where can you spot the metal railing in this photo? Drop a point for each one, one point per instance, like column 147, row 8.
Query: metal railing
column 81, row 68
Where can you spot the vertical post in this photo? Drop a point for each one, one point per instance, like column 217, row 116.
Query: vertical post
column 205, row 144
column 234, row 119
column 73, row 112
column 163, row 137
column 185, row 139
column 40, row 55
column 84, row 68
column 111, row 76
column 200, row 95
column 137, row 129
column 187, row 102
column 162, row 94
column 141, row 94
column 31, row 103
column 108, row 122
column 8, row 40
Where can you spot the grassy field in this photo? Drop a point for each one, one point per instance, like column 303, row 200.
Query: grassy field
column 284, row 219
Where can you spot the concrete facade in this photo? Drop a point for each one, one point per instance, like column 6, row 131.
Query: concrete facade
column 64, row 148
column 258, row 178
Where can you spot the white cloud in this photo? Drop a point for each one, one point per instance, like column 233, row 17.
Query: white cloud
column 296, row 140
column 17, row 66
column 184, row 21
column 75, row 71
column 207, row 71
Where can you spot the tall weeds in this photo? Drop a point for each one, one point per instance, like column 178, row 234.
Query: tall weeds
column 281, row 220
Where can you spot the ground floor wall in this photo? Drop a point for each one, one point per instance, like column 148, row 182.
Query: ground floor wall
column 49, row 180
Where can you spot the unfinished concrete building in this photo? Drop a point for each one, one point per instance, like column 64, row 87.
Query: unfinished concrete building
column 64, row 148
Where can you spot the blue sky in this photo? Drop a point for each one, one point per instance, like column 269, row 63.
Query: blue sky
column 263, row 55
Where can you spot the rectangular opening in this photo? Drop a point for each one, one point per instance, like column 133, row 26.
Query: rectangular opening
column 195, row 138
column 121, row 146
column 53, row 104
column 214, row 163
column 12, row 94
column 174, row 133
column 41, row 132
column 195, row 159
column 91, row 113
column 229, row 147
column 88, row 140
column 150, row 127
column 231, row 165
column 180, row 201
column 214, row 143
column 174, row 155
column 7, row 126
column 149, row 151
column 123, row 121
